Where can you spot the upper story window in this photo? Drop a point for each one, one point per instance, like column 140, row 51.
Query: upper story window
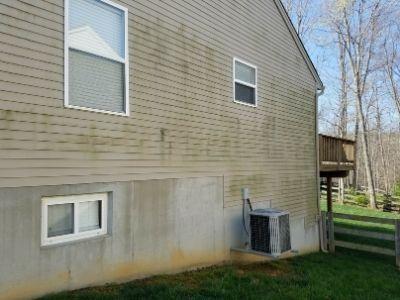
column 245, row 83
column 96, row 56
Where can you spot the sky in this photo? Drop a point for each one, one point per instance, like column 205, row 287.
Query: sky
column 320, row 44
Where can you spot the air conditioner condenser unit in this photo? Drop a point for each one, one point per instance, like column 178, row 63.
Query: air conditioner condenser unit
column 270, row 231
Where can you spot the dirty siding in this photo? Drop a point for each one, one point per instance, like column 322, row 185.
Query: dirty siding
column 183, row 121
column 174, row 166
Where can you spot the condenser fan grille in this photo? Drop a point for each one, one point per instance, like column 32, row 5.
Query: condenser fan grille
column 260, row 237
column 270, row 231
column 284, row 233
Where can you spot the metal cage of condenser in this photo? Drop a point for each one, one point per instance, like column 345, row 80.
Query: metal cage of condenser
column 270, row 231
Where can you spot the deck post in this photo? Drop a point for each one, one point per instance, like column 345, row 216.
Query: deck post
column 324, row 231
column 329, row 194
column 331, row 233
column 397, row 242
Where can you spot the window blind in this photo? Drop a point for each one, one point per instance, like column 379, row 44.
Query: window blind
column 96, row 56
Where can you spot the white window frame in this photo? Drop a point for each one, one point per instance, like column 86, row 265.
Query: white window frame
column 66, row 62
column 235, row 59
column 73, row 199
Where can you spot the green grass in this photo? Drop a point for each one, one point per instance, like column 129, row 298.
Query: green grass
column 364, row 240
column 344, row 275
column 363, row 211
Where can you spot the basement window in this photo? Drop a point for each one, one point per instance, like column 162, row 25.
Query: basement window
column 244, row 83
column 96, row 56
column 74, row 217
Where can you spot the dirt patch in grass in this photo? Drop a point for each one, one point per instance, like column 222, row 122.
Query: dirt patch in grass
column 106, row 289
column 195, row 279
column 186, row 280
column 272, row 269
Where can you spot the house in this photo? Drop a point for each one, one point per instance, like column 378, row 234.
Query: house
column 129, row 127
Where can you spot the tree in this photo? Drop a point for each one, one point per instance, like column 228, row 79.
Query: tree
column 343, row 104
column 392, row 64
column 382, row 148
column 302, row 16
column 343, row 99
column 358, row 24
column 365, row 36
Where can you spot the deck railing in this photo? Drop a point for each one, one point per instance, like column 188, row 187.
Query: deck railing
column 336, row 153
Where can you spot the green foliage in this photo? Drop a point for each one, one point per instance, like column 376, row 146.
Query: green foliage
column 387, row 202
column 380, row 197
column 352, row 191
column 396, row 190
column 361, row 200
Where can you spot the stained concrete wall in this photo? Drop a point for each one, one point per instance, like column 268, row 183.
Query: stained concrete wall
column 155, row 226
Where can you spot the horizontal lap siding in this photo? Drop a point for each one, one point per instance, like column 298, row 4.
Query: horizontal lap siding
column 183, row 121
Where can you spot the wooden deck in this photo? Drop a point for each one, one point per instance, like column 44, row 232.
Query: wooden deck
column 336, row 156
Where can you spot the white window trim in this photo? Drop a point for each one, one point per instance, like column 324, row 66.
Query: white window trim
column 244, row 83
column 73, row 199
column 66, row 62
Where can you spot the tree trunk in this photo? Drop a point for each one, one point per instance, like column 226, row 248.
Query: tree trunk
column 356, row 138
column 343, row 89
column 365, row 153
column 382, row 150
column 341, row 191
column 343, row 106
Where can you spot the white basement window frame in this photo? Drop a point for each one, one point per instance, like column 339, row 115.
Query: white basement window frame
column 125, row 61
column 77, row 202
column 245, row 83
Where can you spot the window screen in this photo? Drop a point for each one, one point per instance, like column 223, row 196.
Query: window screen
column 97, row 62
column 245, row 81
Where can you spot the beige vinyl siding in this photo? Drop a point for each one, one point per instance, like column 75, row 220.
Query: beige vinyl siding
column 183, row 120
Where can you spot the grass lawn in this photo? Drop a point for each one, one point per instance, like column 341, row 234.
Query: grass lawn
column 344, row 275
column 359, row 210
column 363, row 211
